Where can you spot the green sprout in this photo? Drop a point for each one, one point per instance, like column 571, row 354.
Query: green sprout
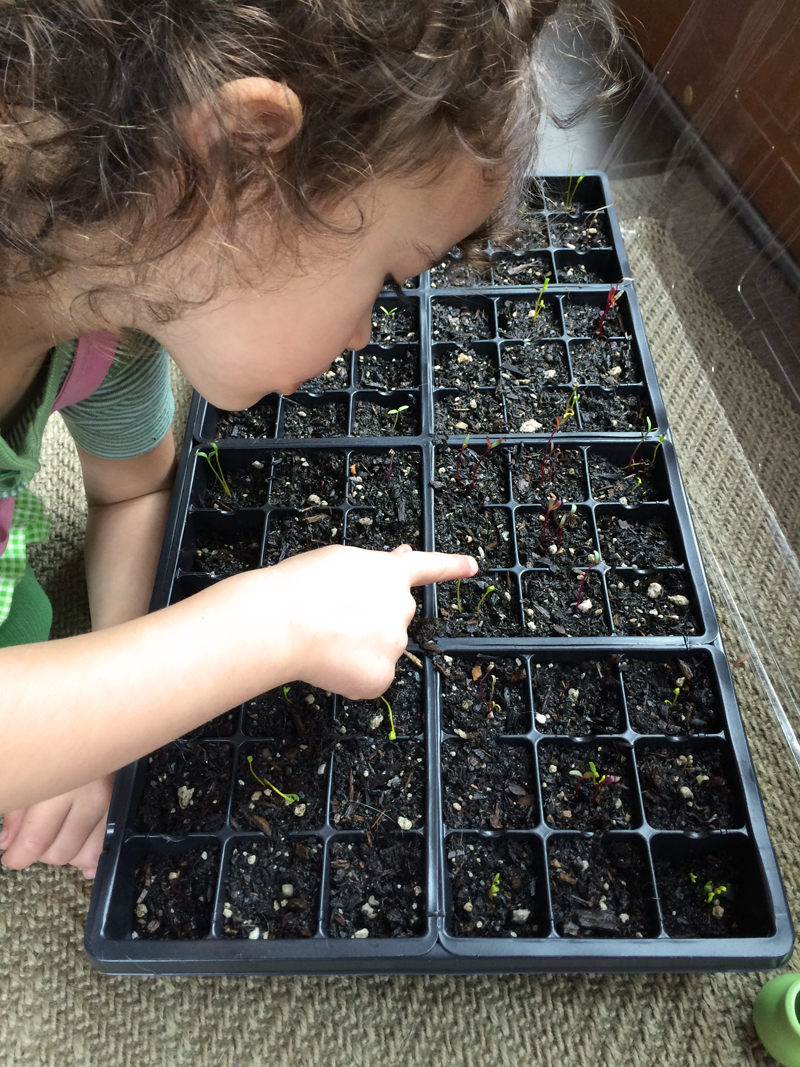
column 572, row 190
column 494, row 888
column 290, row 798
column 388, row 312
column 676, row 692
column 661, row 439
column 569, row 410
column 397, row 412
column 392, row 733
column 489, row 590
column 212, row 459
column 713, row 892
column 693, row 877
column 597, row 780
column 286, row 689
column 458, row 596
column 537, row 307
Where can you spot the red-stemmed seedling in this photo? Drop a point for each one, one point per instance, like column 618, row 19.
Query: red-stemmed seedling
column 551, row 451
column 458, row 460
column 594, row 559
column 489, row 446
column 568, row 519
column 614, row 294
column 552, row 505
column 598, row 780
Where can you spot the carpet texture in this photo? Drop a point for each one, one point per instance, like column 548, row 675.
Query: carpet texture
column 56, row 1011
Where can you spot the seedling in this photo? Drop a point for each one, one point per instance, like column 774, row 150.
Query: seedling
column 392, row 733
column 598, row 780
column 569, row 410
column 549, row 457
column 568, row 518
column 212, row 459
column 537, row 307
column 571, row 191
column 286, row 689
column 661, row 439
column 494, row 888
column 713, row 891
column 489, row 591
column 397, row 412
column 552, row 505
column 290, row 798
column 490, row 702
column 388, row 312
column 391, row 464
column 458, row 459
column 675, row 694
column 489, row 446
column 614, row 295
column 648, row 426
column 458, row 596
column 594, row 559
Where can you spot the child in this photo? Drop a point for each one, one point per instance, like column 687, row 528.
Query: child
column 191, row 177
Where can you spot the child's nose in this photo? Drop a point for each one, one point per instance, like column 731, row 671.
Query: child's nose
column 363, row 333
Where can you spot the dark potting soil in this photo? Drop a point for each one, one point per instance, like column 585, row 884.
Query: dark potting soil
column 655, row 708
column 581, row 232
column 479, row 695
column 700, row 897
column 600, row 887
column 656, row 604
column 460, row 324
column 378, row 783
column 291, row 532
column 538, row 472
column 550, row 601
column 393, row 324
column 578, row 274
column 687, row 790
column 539, row 364
column 578, row 699
column 606, row 411
column 371, row 717
column 470, row 411
column 248, row 488
column 522, row 270
column 222, row 726
column 397, row 368
column 377, row 888
column 399, row 417
column 186, row 788
column 298, row 770
column 488, row 783
column 222, row 556
column 607, row 361
column 302, row 419
column 620, row 484
column 338, row 377
column 583, row 320
column 466, row 526
column 520, row 319
column 637, row 541
column 175, row 894
column 543, row 541
column 293, row 715
column 257, row 421
column 479, row 473
column 307, row 479
column 496, row 888
column 482, row 613
column 388, row 479
column 273, row 888
column 465, row 367
column 572, row 802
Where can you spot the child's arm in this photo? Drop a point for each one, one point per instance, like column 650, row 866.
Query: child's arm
column 79, row 708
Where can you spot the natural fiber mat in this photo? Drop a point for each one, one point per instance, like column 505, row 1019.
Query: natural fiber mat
column 56, row 1011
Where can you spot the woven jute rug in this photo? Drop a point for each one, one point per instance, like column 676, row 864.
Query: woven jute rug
column 56, row 1011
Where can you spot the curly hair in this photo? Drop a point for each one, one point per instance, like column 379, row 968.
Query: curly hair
column 93, row 92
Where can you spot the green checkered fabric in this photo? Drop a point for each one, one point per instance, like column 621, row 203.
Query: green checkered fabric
column 29, row 526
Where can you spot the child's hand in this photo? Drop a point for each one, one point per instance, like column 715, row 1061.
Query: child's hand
column 348, row 611
column 66, row 829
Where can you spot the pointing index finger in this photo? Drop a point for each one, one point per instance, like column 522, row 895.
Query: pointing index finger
column 427, row 567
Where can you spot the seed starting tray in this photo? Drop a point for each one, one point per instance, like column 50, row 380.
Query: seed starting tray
column 440, row 862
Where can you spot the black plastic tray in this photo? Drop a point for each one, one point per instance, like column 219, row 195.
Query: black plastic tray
column 406, row 376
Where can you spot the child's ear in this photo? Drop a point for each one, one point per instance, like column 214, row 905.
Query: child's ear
column 245, row 105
